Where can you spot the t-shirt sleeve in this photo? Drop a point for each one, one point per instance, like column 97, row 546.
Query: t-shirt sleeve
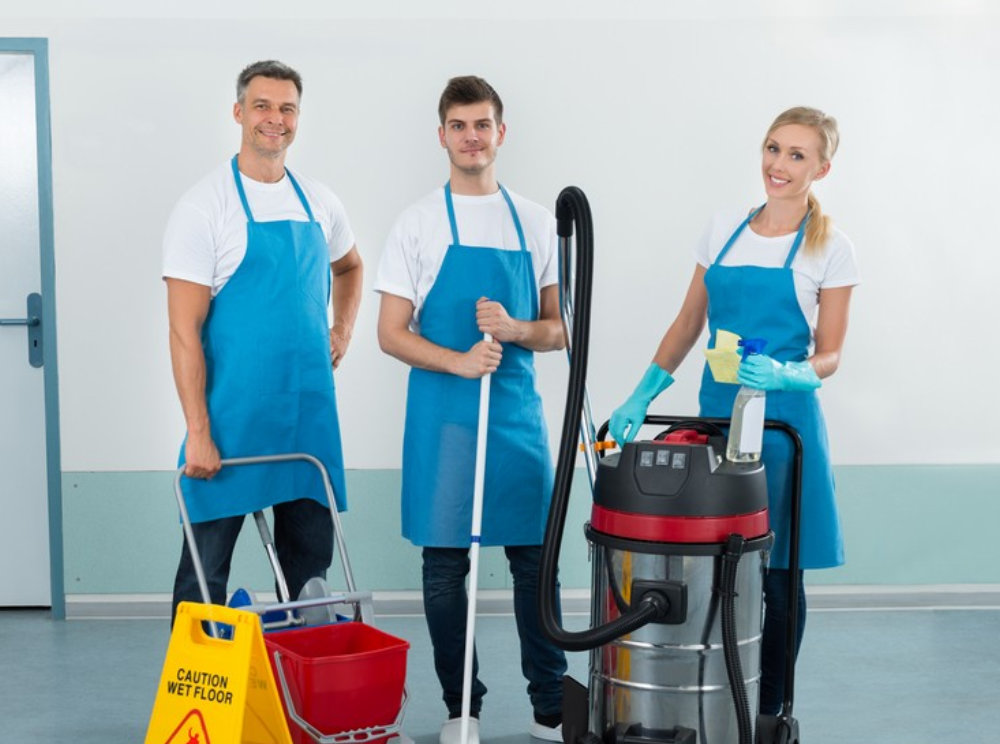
column 842, row 264
column 189, row 245
column 397, row 268
column 341, row 236
column 703, row 248
column 550, row 266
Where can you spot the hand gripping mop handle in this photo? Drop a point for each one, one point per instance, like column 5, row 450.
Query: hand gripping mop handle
column 479, row 482
column 199, row 568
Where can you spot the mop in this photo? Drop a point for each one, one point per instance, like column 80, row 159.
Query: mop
column 477, row 519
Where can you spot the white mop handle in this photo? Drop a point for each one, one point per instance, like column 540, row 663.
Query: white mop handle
column 480, row 473
column 477, row 523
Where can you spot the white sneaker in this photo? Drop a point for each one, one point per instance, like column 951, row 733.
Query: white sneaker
column 545, row 733
column 451, row 732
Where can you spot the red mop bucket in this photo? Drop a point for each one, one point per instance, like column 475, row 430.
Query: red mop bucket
column 346, row 677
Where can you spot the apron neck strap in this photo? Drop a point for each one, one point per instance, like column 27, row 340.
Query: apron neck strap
column 735, row 236
column 239, row 188
column 451, row 214
column 301, row 195
column 517, row 220
column 799, row 236
column 454, row 224
column 243, row 193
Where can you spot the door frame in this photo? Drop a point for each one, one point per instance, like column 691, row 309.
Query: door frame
column 39, row 49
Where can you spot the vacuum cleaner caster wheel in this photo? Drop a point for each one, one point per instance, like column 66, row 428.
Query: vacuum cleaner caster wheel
column 777, row 730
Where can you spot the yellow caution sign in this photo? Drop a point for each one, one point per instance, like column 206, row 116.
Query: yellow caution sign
column 214, row 690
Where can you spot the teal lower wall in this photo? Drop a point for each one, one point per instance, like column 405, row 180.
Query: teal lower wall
column 931, row 524
column 903, row 525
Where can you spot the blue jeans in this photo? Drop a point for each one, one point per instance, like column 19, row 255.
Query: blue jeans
column 772, row 661
column 445, row 606
column 303, row 540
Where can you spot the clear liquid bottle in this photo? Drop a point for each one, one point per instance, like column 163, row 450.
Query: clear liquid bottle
column 746, row 429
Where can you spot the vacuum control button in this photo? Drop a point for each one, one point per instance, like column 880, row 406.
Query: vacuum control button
column 663, row 457
column 646, row 459
column 680, row 461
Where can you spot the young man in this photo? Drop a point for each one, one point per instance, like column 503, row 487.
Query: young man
column 248, row 254
column 469, row 259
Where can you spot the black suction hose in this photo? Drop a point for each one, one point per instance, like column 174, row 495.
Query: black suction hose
column 572, row 209
column 730, row 645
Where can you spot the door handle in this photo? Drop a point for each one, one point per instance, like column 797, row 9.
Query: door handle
column 33, row 321
column 30, row 322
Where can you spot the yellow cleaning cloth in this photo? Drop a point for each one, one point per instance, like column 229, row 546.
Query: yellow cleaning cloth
column 724, row 359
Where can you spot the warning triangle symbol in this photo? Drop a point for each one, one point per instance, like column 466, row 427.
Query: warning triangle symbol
column 191, row 730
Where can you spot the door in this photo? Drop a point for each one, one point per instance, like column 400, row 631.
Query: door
column 29, row 469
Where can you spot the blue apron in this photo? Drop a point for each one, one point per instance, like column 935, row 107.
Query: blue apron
column 269, row 383
column 442, row 410
column 754, row 301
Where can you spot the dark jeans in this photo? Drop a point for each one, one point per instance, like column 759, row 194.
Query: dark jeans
column 446, row 605
column 772, row 662
column 303, row 540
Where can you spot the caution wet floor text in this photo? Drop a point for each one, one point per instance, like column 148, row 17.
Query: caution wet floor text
column 214, row 690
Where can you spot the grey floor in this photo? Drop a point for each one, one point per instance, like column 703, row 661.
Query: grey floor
column 893, row 676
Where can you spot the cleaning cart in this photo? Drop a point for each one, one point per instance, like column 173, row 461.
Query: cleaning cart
column 341, row 679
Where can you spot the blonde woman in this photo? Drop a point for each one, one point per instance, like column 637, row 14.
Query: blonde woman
column 781, row 272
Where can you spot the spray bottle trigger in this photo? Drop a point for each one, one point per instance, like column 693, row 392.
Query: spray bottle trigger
column 752, row 346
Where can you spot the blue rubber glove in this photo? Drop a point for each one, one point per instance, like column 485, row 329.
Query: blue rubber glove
column 628, row 417
column 764, row 373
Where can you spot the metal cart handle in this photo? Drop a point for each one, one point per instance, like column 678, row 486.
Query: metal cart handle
column 258, row 460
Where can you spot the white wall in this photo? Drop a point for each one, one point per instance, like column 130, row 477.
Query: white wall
column 657, row 116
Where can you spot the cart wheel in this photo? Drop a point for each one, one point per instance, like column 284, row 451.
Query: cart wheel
column 316, row 588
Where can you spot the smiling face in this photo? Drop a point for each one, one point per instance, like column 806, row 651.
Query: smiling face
column 269, row 115
column 792, row 160
column 471, row 135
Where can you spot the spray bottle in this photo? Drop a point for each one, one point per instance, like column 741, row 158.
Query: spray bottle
column 746, row 431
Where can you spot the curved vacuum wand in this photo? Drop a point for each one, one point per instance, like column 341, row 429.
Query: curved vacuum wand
column 572, row 209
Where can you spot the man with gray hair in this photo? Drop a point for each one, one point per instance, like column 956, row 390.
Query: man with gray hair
column 251, row 257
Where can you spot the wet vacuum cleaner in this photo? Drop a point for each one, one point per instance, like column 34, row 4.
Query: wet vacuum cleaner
column 679, row 541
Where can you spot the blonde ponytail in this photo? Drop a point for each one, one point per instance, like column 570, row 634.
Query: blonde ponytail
column 820, row 225
column 818, row 230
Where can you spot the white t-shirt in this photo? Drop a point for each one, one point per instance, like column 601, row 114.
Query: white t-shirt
column 206, row 235
column 835, row 266
column 420, row 238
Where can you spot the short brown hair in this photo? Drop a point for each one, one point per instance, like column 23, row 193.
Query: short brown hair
column 269, row 68
column 461, row 91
